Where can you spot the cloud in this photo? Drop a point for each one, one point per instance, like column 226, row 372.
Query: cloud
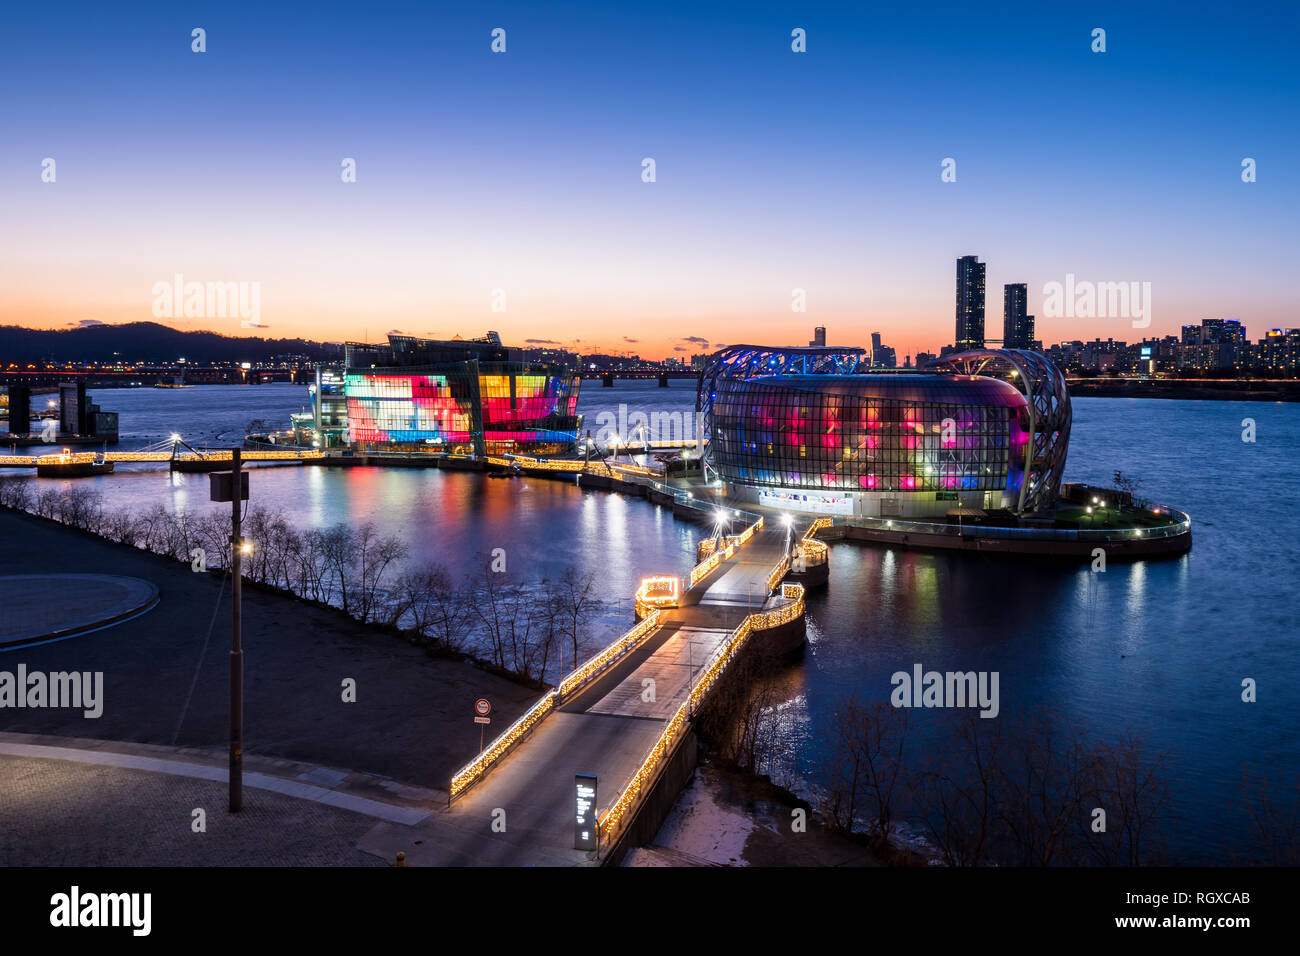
column 253, row 324
column 396, row 332
column 680, row 348
column 87, row 323
column 696, row 340
column 633, row 341
column 541, row 342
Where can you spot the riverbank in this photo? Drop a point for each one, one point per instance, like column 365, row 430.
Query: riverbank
column 1222, row 390
column 726, row 816
column 165, row 673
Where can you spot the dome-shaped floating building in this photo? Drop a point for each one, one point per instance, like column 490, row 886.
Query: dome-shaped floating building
column 806, row 430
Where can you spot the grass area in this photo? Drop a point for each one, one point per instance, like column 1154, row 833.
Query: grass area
column 1110, row 518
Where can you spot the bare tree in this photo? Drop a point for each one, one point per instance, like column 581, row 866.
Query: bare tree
column 438, row 610
column 313, row 566
column 120, row 526
column 867, row 744
column 493, row 609
column 574, row 600
column 957, row 794
column 15, row 493
column 1131, row 788
column 1127, row 485
column 338, row 553
column 1042, row 782
column 374, row 557
column 1276, row 818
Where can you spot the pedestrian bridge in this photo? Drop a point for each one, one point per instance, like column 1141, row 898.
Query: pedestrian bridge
column 624, row 715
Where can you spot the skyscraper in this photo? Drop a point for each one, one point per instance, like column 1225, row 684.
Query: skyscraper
column 882, row 355
column 819, row 337
column 1017, row 325
column 970, row 303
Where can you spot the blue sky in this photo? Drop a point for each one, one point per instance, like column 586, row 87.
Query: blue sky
column 521, row 171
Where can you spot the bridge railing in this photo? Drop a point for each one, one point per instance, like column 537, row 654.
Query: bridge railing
column 476, row 769
column 611, row 823
column 614, row 819
column 729, row 546
column 778, row 572
column 501, row 746
column 615, row 652
column 659, row 591
column 810, row 549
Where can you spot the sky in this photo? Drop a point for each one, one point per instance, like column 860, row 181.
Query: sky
column 489, row 181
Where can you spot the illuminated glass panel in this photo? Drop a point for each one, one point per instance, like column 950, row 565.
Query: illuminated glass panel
column 888, row 433
column 509, row 409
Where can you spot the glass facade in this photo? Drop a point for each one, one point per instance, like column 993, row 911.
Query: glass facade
column 932, row 437
column 463, row 408
column 330, row 408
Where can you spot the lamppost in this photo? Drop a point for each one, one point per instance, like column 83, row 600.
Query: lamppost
column 236, row 638
column 719, row 522
column 231, row 486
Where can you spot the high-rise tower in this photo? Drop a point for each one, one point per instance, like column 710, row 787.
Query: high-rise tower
column 970, row 303
column 1017, row 324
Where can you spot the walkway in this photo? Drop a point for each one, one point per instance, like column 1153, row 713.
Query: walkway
column 606, row 730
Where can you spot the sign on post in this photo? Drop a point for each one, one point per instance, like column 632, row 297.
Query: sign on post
column 221, row 486
column 482, row 707
column 584, row 831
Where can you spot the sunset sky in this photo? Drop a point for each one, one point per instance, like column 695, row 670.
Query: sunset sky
column 522, row 171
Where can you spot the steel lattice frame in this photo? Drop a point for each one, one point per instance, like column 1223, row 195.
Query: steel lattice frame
column 751, row 361
column 1043, row 385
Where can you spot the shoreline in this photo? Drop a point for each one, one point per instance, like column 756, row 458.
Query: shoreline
column 728, row 816
column 1217, row 390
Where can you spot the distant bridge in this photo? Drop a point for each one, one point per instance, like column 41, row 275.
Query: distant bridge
column 180, row 460
column 637, row 373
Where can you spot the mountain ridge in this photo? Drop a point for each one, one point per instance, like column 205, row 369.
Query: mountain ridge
column 150, row 342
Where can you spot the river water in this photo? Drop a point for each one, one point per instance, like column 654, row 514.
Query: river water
column 1159, row 648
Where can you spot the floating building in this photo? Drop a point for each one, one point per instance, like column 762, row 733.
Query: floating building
column 457, row 396
column 806, row 430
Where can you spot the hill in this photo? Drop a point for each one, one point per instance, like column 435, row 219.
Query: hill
column 149, row 342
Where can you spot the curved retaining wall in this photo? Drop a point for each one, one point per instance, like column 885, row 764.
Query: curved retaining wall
column 1130, row 549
